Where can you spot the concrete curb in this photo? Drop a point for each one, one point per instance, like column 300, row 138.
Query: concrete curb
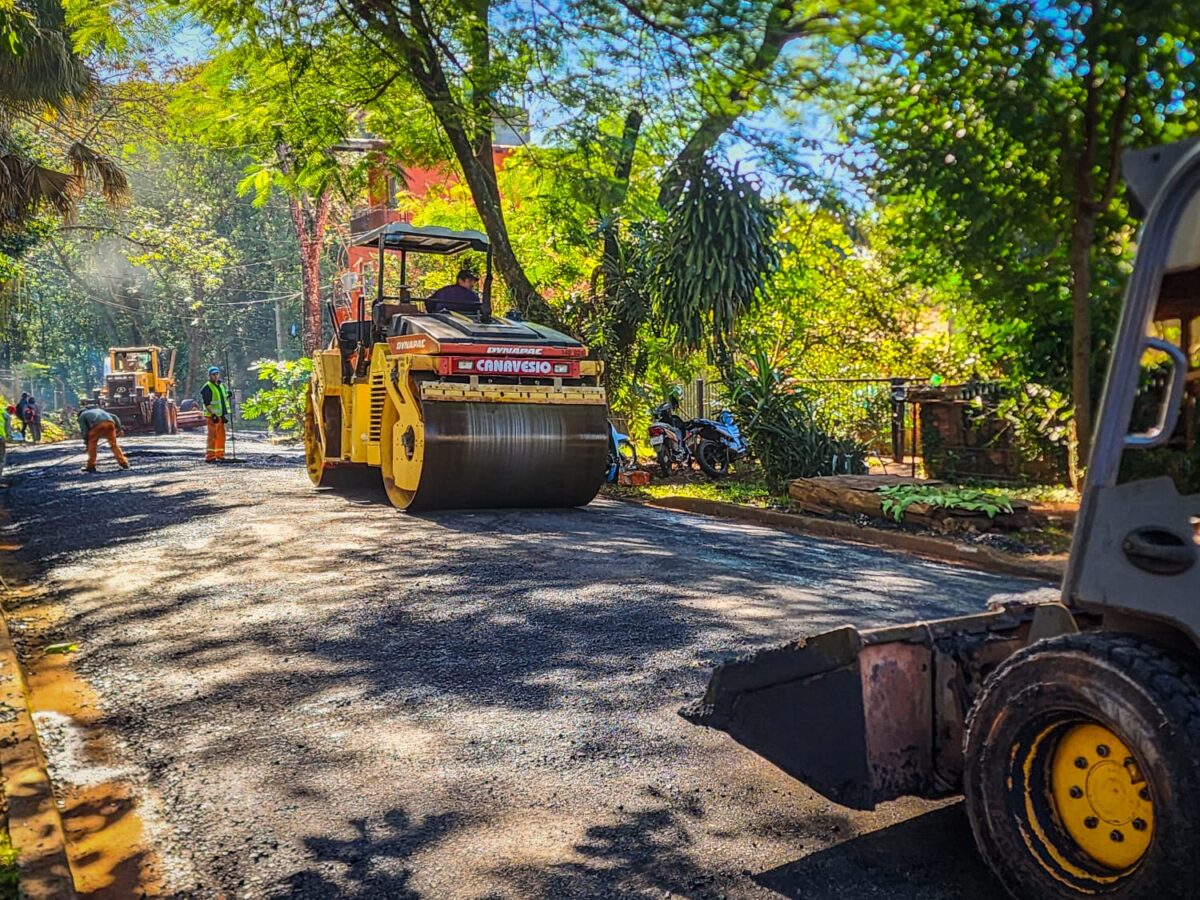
column 985, row 558
column 34, row 823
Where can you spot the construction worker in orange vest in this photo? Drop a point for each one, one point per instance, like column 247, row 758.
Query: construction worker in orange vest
column 96, row 423
column 215, row 398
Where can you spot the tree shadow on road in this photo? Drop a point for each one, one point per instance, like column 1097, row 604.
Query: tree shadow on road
column 644, row 853
column 372, row 864
column 62, row 511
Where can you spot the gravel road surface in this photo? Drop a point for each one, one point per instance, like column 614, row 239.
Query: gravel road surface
column 319, row 696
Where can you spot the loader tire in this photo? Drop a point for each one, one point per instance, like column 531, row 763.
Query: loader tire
column 1081, row 777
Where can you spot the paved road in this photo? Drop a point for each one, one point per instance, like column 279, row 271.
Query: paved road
column 319, row 696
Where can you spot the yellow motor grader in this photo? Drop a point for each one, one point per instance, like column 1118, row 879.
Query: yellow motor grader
column 452, row 409
column 1072, row 728
column 139, row 387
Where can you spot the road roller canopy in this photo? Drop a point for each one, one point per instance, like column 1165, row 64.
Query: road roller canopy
column 406, row 238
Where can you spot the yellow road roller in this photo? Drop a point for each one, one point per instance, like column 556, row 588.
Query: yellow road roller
column 1071, row 727
column 451, row 408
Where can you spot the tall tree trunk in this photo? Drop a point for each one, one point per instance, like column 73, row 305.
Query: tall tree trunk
column 469, row 131
column 625, row 319
column 309, row 219
column 195, row 333
column 1090, row 201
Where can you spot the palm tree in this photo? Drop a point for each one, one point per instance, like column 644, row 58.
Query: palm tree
column 40, row 75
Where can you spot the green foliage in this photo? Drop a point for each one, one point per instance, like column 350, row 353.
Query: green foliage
column 282, row 404
column 1040, row 421
column 10, row 877
column 714, row 253
column 838, row 309
column 780, row 427
column 899, row 497
column 978, row 115
column 188, row 265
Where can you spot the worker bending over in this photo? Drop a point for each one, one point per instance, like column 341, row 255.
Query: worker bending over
column 215, row 397
column 96, row 423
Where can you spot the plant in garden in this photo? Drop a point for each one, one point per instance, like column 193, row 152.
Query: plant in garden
column 715, row 252
column 897, row 498
column 778, row 421
column 1040, row 420
column 282, row 404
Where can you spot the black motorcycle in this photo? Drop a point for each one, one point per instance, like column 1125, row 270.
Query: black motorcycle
column 715, row 444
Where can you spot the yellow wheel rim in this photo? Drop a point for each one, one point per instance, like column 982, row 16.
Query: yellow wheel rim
column 1101, row 796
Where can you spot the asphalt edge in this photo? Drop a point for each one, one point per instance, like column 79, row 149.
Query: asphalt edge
column 941, row 549
column 35, row 825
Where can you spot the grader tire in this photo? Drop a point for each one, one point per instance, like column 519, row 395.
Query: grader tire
column 160, row 416
column 1081, row 778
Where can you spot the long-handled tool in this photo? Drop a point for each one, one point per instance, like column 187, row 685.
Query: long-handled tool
column 233, row 457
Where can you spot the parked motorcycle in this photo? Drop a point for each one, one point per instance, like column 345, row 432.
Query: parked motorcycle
column 622, row 455
column 668, row 439
column 716, row 444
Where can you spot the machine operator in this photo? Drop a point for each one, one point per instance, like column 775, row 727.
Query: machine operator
column 457, row 297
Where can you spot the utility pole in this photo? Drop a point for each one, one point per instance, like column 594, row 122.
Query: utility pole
column 280, row 340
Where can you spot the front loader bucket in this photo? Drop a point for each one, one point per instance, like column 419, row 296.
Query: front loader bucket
column 865, row 716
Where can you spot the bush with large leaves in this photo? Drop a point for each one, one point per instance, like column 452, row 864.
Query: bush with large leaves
column 281, row 404
column 779, row 423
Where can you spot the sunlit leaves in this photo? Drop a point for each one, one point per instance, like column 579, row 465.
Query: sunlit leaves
column 975, row 113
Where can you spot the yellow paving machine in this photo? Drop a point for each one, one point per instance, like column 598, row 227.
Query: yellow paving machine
column 452, row 409
column 1072, row 728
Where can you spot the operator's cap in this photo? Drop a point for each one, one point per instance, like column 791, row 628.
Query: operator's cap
column 214, row 370
column 467, row 273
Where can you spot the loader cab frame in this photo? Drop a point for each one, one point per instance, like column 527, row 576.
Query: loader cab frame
column 151, row 377
column 1136, row 548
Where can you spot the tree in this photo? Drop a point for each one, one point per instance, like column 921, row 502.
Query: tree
column 43, row 77
column 469, row 65
column 285, row 103
column 997, row 128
